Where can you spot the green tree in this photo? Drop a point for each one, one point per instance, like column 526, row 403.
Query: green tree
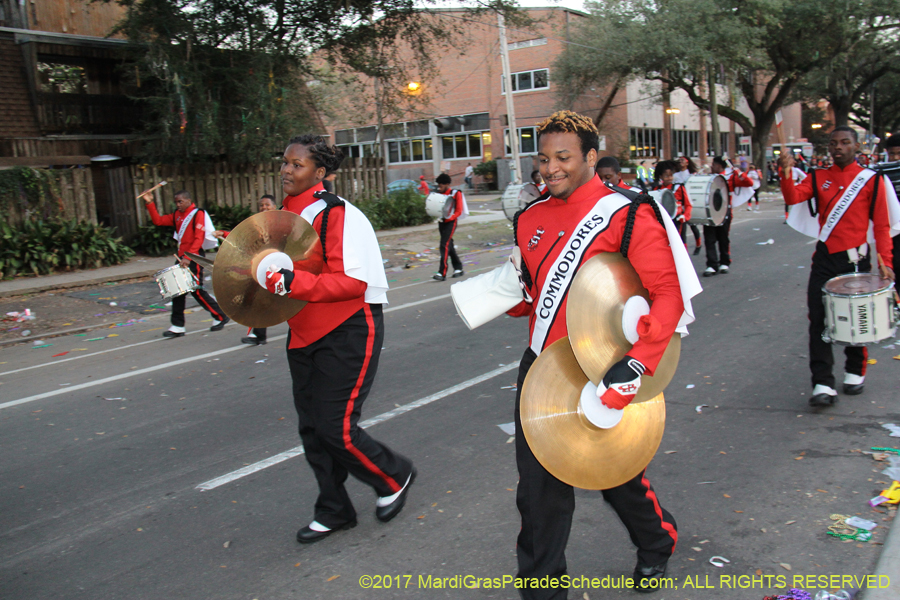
column 759, row 49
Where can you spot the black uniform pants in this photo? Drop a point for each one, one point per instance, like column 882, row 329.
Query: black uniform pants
column 200, row 295
column 546, row 505
column 331, row 379
column 718, row 244
column 821, row 360
column 446, row 229
column 260, row 333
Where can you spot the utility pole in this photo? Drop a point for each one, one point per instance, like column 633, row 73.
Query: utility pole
column 515, row 176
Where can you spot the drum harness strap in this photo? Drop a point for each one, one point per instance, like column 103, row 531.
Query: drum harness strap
column 526, row 274
column 853, row 254
column 637, row 198
column 330, row 202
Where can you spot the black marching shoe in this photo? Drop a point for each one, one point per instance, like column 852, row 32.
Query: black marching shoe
column 854, row 384
column 822, row 396
column 649, row 579
column 307, row 535
column 389, row 511
column 172, row 334
column 253, row 341
column 458, row 273
column 438, row 277
column 697, row 250
column 220, row 325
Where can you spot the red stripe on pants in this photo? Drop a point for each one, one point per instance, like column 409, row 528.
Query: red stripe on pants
column 651, row 495
column 348, row 442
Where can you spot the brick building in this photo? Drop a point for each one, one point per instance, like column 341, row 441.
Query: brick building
column 466, row 121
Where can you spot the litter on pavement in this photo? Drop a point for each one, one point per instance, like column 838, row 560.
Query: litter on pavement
column 894, row 429
column 718, row 561
column 508, row 428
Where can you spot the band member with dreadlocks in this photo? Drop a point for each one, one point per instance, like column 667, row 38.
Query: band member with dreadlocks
column 334, row 344
column 583, row 218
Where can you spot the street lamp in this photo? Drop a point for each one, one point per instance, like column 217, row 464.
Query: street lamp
column 413, row 86
column 816, row 126
column 672, row 111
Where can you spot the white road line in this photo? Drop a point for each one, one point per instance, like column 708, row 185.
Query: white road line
column 298, row 450
column 167, row 365
column 80, row 356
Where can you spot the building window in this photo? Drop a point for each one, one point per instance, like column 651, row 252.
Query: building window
column 526, row 81
column 466, row 145
column 723, row 142
column 358, row 150
column 527, row 141
column 644, row 142
column 526, row 44
column 404, row 151
column 685, row 143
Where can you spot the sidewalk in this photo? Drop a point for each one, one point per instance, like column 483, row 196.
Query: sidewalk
column 147, row 267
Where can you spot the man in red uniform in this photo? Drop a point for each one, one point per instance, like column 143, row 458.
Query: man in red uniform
column 665, row 180
column 846, row 197
column 582, row 218
column 716, row 237
column 891, row 171
column 190, row 225
column 423, row 186
column 334, row 344
column 446, row 228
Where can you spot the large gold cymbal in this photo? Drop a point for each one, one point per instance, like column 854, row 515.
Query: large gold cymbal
column 566, row 443
column 234, row 271
column 594, row 309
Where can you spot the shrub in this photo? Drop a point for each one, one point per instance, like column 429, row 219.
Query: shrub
column 153, row 240
column 228, row 217
column 402, row 208
column 40, row 247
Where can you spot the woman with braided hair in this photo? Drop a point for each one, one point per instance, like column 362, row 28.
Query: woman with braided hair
column 334, row 344
column 583, row 218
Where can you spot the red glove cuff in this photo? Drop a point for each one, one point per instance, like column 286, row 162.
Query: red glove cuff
column 648, row 328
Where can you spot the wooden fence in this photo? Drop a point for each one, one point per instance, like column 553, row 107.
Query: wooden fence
column 75, row 201
column 225, row 184
column 360, row 178
column 209, row 184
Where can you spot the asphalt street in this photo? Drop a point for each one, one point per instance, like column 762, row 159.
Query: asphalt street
column 135, row 467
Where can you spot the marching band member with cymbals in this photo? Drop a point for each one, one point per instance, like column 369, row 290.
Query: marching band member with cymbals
column 846, row 197
column 194, row 232
column 583, row 218
column 334, row 344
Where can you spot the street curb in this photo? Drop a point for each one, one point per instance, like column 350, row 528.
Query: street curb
column 888, row 565
column 36, row 289
column 61, row 332
column 71, row 284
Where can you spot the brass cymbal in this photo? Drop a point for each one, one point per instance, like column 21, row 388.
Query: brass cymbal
column 594, row 319
column 566, row 443
column 234, row 270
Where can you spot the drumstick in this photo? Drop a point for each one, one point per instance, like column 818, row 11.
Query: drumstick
column 153, row 189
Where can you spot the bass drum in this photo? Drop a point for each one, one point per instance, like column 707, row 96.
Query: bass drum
column 438, row 206
column 709, row 198
column 516, row 196
column 666, row 200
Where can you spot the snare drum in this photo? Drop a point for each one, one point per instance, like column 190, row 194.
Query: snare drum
column 859, row 309
column 438, row 206
column 175, row 281
column 665, row 199
column 709, row 199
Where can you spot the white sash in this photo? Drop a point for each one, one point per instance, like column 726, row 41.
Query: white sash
column 361, row 253
column 180, row 233
column 209, row 238
column 844, row 203
column 562, row 272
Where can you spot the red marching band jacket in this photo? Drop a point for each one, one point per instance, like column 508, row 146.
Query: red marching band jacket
column 192, row 240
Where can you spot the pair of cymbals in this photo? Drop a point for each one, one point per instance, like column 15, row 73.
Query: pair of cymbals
column 559, row 434
column 234, row 270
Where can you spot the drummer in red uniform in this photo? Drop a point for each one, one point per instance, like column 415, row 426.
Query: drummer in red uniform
column 190, row 225
column 665, row 180
column 846, row 197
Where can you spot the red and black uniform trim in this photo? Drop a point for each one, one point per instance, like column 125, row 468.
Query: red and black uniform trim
column 191, row 241
column 334, row 345
column 446, row 228
column 545, row 503
column 830, row 258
